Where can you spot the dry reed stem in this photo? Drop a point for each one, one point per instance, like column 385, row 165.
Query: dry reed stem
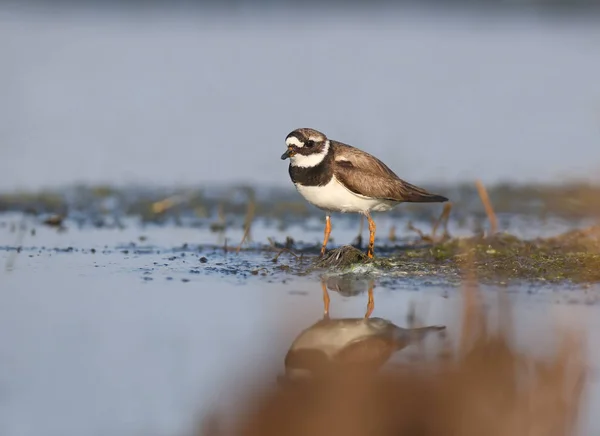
column 487, row 204
column 249, row 218
column 12, row 257
column 169, row 202
column 392, row 235
column 443, row 218
column 410, row 226
column 284, row 250
column 220, row 225
column 360, row 231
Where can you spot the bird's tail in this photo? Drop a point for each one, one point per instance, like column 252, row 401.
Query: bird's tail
column 414, row 194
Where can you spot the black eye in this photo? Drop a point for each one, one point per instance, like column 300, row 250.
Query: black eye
column 310, row 143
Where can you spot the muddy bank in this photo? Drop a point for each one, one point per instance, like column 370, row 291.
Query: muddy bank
column 242, row 231
column 573, row 256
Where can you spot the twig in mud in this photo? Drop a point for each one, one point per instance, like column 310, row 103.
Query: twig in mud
column 54, row 221
column 285, row 250
column 419, row 232
column 358, row 240
column 289, row 242
column 255, row 272
column 282, row 250
column 249, row 218
column 12, row 257
column 392, row 236
column 219, row 226
column 246, row 233
column 165, row 204
column 487, row 204
column 444, row 217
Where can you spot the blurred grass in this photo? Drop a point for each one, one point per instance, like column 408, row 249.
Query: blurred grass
column 569, row 201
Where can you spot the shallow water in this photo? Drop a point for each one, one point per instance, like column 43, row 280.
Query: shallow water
column 134, row 339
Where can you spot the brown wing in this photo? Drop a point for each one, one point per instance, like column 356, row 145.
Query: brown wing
column 370, row 351
column 364, row 174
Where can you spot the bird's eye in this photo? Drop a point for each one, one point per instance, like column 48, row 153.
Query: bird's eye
column 310, row 143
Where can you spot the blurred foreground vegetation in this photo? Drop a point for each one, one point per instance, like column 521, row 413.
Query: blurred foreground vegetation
column 477, row 382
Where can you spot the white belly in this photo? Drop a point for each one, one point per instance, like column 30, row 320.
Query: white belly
column 334, row 197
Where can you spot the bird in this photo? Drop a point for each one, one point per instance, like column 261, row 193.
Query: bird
column 334, row 345
column 337, row 177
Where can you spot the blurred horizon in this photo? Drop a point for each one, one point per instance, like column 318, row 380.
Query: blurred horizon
column 229, row 4
column 100, row 93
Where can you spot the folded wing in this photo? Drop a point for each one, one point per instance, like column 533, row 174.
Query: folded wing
column 366, row 175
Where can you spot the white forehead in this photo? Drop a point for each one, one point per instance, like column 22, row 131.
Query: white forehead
column 292, row 140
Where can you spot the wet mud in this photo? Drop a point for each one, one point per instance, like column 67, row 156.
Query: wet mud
column 544, row 235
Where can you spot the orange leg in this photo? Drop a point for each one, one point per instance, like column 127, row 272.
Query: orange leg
column 326, row 299
column 372, row 228
column 327, row 232
column 371, row 303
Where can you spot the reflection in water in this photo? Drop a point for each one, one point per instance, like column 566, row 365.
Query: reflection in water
column 347, row 286
column 481, row 385
column 347, row 343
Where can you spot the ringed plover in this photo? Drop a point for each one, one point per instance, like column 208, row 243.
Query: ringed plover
column 337, row 177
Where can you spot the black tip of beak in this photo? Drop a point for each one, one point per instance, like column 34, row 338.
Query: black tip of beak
column 285, row 155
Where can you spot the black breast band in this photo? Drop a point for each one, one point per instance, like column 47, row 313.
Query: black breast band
column 319, row 175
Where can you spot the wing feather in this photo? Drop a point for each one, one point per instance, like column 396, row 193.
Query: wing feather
column 364, row 174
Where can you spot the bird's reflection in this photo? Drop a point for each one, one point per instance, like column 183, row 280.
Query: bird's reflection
column 332, row 345
column 347, row 286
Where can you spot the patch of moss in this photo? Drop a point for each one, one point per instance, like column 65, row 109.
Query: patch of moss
column 574, row 256
column 343, row 257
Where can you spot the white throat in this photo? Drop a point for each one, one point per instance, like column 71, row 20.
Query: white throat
column 312, row 160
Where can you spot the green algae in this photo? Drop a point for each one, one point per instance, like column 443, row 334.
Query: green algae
column 573, row 256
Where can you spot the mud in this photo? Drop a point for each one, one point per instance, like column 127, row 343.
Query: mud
column 573, row 256
column 548, row 250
